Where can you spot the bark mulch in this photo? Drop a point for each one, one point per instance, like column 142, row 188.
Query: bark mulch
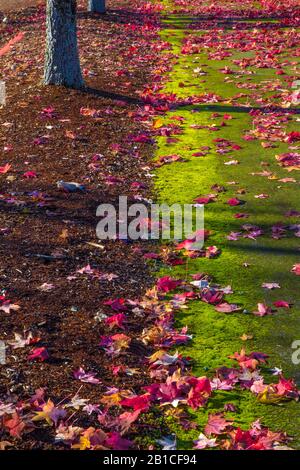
column 44, row 232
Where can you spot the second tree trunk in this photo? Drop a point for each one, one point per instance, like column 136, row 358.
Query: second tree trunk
column 97, row 6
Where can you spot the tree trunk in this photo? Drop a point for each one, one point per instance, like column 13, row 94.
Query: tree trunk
column 62, row 66
column 97, row 6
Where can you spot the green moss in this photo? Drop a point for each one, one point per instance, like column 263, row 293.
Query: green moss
column 217, row 335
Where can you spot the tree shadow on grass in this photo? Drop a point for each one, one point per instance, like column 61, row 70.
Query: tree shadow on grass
column 236, row 109
column 267, row 250
column 196, row 23
column 119, row 16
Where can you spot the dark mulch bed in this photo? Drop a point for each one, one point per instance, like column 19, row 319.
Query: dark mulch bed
column 62, row 228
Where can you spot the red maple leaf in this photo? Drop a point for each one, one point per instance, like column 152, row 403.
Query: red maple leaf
column 14, row 425
column 138, row 402
column 216, row 424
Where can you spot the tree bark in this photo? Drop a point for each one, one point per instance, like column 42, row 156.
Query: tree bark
column 62, row 65
column 97, row 6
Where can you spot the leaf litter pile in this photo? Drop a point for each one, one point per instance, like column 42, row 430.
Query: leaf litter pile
column 92, row 360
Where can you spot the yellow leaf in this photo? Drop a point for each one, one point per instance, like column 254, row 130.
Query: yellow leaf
column 268, row 396
column 111, row 400
column 244, row 337
column 157, row 355
column 4, row 444
column 45, row 414
column 63, row 236
column 157, row 123
column 84, row 443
